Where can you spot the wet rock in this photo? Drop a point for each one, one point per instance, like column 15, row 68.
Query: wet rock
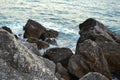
column 32, row 47
column 51, row 41
column 19, row 63
column 40, row 44
column 50, row 34
column 7, row 29
column 88, row 58
column 33, row 29
column 60, row 55
column 106, row 39
column 94, row 76
column 62, row 71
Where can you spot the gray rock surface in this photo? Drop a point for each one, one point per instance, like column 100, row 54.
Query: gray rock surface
column 94, row 76
column 19, row 63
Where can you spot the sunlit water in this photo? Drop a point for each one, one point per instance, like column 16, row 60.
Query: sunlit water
column 61, row 15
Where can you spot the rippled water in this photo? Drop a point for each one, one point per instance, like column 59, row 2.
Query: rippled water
column 61, row 15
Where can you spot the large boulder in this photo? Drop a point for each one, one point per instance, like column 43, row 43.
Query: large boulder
column 36, row 30
column 19, row 63
column 106, row 39
column 60, row 55
column 88, row 58
column 96, row 31
column 33, row 29
column 94, row 76
column 40, row 44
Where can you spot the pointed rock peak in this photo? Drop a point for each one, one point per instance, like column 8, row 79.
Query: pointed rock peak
column 88, row 23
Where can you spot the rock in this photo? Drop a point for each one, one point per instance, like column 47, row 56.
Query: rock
column 112, row 54
column 51, row 41
column 62, row 71
column 50, row 34
column 94, row 30
column 106, row 39
column 40, row 44
column 116, row 75
column 59, row 76
column 19, row 63
column 88, row 58
column 32, row 47
column 7, row 29
column 33, row 29
column 60, row 55
column 94, row 76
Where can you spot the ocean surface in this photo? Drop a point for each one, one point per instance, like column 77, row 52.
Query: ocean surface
column 61, row 15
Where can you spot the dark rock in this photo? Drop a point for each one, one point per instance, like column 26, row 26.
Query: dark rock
column 16, row 36
column 51, row 41
column 40, row 44
column 17, row 62
column 89, row 58
column 62, row 71
column 50, row 34
column 94, row 76
column 106, row 39
column 112, row 54
column 33, row 29
column 60, row 55
column 7, row 29
column 94, row 30
column 116, row 75
column 32, row 47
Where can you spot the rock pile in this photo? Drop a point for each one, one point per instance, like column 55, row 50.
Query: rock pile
column 97, row 55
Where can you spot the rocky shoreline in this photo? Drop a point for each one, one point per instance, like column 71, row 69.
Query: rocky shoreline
column 97, row 55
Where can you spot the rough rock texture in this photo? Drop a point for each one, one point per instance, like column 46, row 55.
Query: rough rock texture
column 33, row 29
column 94, row 30
column 94, row 76
column 40, row 44
column 32, row 47
column 61, row 55
column 106, row 39
column 19, row 63
column 50, row 34
column 36, row 30
column 88, row 58
column 62, row 71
